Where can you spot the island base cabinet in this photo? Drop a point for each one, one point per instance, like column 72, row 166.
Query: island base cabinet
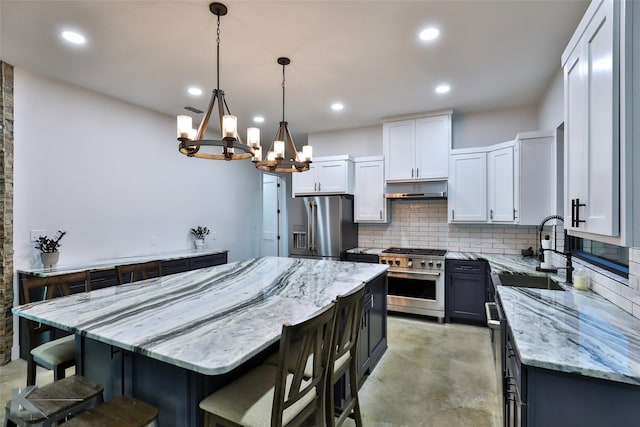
column 176, row 392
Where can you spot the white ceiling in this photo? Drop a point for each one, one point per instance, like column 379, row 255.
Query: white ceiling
column 366, row 54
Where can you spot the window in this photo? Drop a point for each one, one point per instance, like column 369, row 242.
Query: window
column 610, row 257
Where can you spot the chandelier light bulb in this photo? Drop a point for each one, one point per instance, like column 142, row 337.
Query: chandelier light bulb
column 307, row 152
column 253, row 137
column 229, row 126
column 184, row 124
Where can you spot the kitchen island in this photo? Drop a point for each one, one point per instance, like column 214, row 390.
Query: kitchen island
column 173, row 340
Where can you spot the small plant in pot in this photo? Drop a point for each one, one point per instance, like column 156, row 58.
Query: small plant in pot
column 199, row 233
column 49, row 249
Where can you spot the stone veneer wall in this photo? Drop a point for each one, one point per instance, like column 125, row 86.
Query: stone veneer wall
column 423, row 224
column 6, row 211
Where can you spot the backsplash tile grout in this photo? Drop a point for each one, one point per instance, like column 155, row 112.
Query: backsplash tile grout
column 423, row 224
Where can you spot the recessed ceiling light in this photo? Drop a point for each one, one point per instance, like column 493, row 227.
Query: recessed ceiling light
column 337, row 106
column 430, row 33
column 443, row 89
column 196, row 91
column 258, row 119
column 73, row 37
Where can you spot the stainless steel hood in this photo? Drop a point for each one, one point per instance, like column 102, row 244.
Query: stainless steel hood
column 429, row 190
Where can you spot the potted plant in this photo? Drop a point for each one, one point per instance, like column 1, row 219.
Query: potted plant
column 199, row 234
column 49, row 249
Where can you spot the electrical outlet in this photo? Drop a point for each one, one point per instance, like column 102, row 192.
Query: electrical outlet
column 34, row 234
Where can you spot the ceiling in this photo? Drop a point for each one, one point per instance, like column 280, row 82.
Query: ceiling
column 365, row 54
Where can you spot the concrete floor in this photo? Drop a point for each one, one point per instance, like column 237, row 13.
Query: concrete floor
column 432, row 375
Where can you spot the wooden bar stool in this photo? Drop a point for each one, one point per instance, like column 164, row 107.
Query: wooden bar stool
column 133, row 272
column 47, row 405
column 121, row 411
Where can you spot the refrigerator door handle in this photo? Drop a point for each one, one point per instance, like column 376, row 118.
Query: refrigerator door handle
column 311, row 225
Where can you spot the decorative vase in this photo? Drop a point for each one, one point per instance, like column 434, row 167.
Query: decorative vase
column 49, row 259
column 199, row 243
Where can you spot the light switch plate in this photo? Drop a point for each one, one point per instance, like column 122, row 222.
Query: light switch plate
column 34, row 234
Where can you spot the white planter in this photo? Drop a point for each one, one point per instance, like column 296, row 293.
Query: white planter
column 49, row 259
column 199, row 243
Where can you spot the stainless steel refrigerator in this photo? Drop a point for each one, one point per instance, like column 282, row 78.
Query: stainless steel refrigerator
column 321, row 227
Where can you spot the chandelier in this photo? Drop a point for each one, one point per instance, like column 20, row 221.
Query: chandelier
column 192, row 140
column 282, row 155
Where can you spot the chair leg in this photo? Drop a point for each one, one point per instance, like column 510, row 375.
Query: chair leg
column 31, row 371
column 354, row 394
column 329, row 403
column 58, row 372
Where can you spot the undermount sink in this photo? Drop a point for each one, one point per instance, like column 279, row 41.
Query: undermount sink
column 529, row 281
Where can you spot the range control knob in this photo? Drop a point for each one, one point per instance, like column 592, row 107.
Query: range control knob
column 410, row 263
column 384, row 261
column 397, row 262
column 423, row 263
column 431, row 264
column 438, row 264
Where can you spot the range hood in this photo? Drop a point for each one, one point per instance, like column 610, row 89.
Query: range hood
column 429, row 190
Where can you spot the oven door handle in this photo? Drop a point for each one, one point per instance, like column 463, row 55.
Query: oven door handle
column 405, row 275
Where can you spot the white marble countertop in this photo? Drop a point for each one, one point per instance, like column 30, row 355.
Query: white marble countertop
column 209, row 320
column 570, row 331
column 107, row 264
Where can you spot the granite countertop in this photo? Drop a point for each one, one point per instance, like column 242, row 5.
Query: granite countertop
column 209, row 320
column 108, row 264
column 570, row 331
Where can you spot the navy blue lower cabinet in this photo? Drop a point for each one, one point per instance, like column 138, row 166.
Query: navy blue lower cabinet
column 538, row 397
column 467, row 288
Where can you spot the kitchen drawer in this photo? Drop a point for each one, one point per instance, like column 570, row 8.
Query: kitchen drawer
column 103, row 279
column 175, row 266
column 464, row 266
column 207, row 261
column 370, row 258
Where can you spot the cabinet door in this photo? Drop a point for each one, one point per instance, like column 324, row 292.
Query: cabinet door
column 332, row 176
column 592, row 160
column 602, row 134
column 369, row 202
column 399, row 150
column 468, row 187
column 305, row 182
column 466, row 297
column 501, row 185
column 433, row 139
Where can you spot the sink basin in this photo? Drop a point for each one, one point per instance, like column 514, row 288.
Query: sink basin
column 529, row 281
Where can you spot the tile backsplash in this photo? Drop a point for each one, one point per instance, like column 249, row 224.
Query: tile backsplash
column 423, row 224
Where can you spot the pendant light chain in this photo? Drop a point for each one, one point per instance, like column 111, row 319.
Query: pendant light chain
column 283, row 89
column 218, row 55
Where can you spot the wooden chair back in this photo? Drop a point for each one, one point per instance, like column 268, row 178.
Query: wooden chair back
column 343, row 355
column 133, row 272
column 313, row 338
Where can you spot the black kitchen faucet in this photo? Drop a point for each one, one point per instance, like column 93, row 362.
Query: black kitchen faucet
column 567, row 253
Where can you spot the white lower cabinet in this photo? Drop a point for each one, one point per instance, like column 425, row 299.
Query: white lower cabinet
column 370, row 204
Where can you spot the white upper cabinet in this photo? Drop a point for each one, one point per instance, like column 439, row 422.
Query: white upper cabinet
column 370, row 204
column 514, row 182
column 592, row 123
column 417, row 149
column 467, row 193
column 326, row 175
column 501, row 185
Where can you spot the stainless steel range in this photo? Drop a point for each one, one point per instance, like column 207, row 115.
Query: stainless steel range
column 416, row 280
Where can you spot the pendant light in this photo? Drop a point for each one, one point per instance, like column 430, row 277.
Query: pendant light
column 192, row 140
column 283, row 155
